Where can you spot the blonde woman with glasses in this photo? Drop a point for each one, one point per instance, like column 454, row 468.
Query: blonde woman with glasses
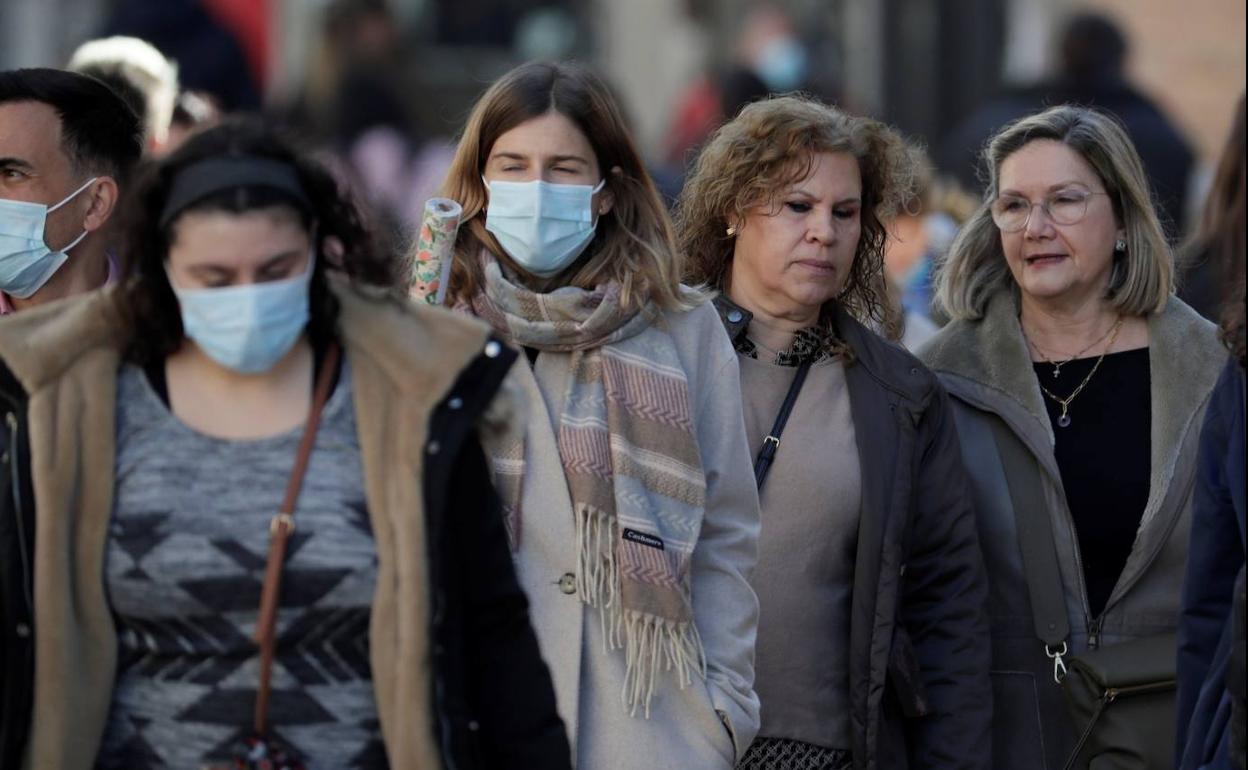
column 1078, row 382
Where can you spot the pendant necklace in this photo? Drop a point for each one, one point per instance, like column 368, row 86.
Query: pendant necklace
column 1064, row 420
column 1057, row 365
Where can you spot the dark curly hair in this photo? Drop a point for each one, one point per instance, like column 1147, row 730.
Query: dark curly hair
column 343, row 242
column 772, row 144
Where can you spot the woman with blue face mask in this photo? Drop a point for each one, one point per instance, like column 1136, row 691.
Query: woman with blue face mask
column 262, row 525
column 628, row 495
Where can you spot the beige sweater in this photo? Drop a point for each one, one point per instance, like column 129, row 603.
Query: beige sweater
column 811, row 502
column 403, row 360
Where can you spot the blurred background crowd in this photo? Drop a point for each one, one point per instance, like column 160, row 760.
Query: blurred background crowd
column 382, row 86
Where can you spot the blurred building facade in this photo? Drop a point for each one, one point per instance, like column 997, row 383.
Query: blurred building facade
column 921, row 64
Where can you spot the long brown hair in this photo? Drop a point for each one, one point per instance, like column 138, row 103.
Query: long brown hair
column 771, row 145
column 1221, row 232
column 633, row 245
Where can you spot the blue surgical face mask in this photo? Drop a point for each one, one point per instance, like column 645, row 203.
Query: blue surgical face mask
column 781, row 65
column 26, row 261
column 247, row 328
column 544, row 227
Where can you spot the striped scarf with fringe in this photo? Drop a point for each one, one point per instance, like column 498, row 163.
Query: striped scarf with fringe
column 630, row 455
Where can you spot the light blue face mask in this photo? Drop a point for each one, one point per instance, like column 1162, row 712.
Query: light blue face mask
column 26, row 262
column 781, row 65
column 247, row 328
column 544, row 227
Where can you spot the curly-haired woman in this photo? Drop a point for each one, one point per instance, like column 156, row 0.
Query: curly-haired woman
column 871, row 643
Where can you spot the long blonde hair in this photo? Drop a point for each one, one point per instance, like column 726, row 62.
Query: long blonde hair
column 633, row 245
column 1143, row 277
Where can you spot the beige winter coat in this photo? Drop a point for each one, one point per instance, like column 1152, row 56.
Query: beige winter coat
column 403, row 360
column 709, row 724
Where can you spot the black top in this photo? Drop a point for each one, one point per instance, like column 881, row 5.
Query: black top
column 1104, row 458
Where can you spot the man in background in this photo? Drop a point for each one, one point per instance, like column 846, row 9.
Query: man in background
column 1093, row 53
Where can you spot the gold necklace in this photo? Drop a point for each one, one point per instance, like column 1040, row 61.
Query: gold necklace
column 1057, row 365
column 1064, row 420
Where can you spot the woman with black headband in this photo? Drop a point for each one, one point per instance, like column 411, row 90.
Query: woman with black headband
column 262, row 528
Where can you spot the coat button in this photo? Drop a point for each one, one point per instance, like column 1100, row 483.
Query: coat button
column 492, row 349
column 23, row 630
column 735, row 316
column 567, row 583
column 455, row 403
column 433, row 448
column 474, row 726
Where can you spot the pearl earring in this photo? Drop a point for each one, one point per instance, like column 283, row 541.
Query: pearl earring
column 731, row 231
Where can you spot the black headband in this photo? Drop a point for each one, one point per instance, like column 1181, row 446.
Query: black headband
column 210, row 176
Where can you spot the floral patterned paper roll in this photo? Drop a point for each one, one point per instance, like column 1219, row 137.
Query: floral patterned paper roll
column 431, row 268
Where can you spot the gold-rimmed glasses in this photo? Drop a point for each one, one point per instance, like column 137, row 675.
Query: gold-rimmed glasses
column 1068, row 206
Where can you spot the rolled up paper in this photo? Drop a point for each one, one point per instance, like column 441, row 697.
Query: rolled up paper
column 431, row 267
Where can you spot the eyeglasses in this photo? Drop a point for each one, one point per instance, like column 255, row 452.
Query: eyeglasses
column 1011, row 213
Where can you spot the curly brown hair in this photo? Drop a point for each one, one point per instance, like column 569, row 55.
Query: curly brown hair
column 772, row 144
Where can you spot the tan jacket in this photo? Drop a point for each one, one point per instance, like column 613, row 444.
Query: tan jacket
column 403, row 358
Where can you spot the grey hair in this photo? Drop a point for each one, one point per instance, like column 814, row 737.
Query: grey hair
column 1142, row 280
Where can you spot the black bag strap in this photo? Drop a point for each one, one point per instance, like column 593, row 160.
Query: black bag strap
column 771, row 443
column 1035, row 540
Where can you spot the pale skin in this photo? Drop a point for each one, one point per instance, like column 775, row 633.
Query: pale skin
column 35, row 168
column 553, row 149
column 1063, row 271
column 216, row 249
column 791, row 257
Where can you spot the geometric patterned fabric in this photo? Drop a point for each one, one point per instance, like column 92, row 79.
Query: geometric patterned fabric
column 184, row 568
column 785, row 754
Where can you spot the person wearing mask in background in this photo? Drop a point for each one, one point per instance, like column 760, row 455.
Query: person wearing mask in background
column 133, row 66
column 1078, row 383
column 1216, row 559
column 1219, row 238
column 67, row 146
column 629, row 497
column 1092, row 71
column 918, row 235
column 157, row 424
column 784, row 213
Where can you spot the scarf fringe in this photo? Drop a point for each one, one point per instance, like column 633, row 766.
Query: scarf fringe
column 649, row 641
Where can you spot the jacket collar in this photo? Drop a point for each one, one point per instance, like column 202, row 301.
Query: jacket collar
column 889, row 364
column 986, row 364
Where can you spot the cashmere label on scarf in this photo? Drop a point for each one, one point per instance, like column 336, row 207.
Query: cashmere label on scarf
column 630, row 456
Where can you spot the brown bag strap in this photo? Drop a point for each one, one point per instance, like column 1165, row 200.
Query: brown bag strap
column 282, row 525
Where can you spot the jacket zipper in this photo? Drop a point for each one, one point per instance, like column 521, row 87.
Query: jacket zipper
column 1094, row 631
column 16, row 479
